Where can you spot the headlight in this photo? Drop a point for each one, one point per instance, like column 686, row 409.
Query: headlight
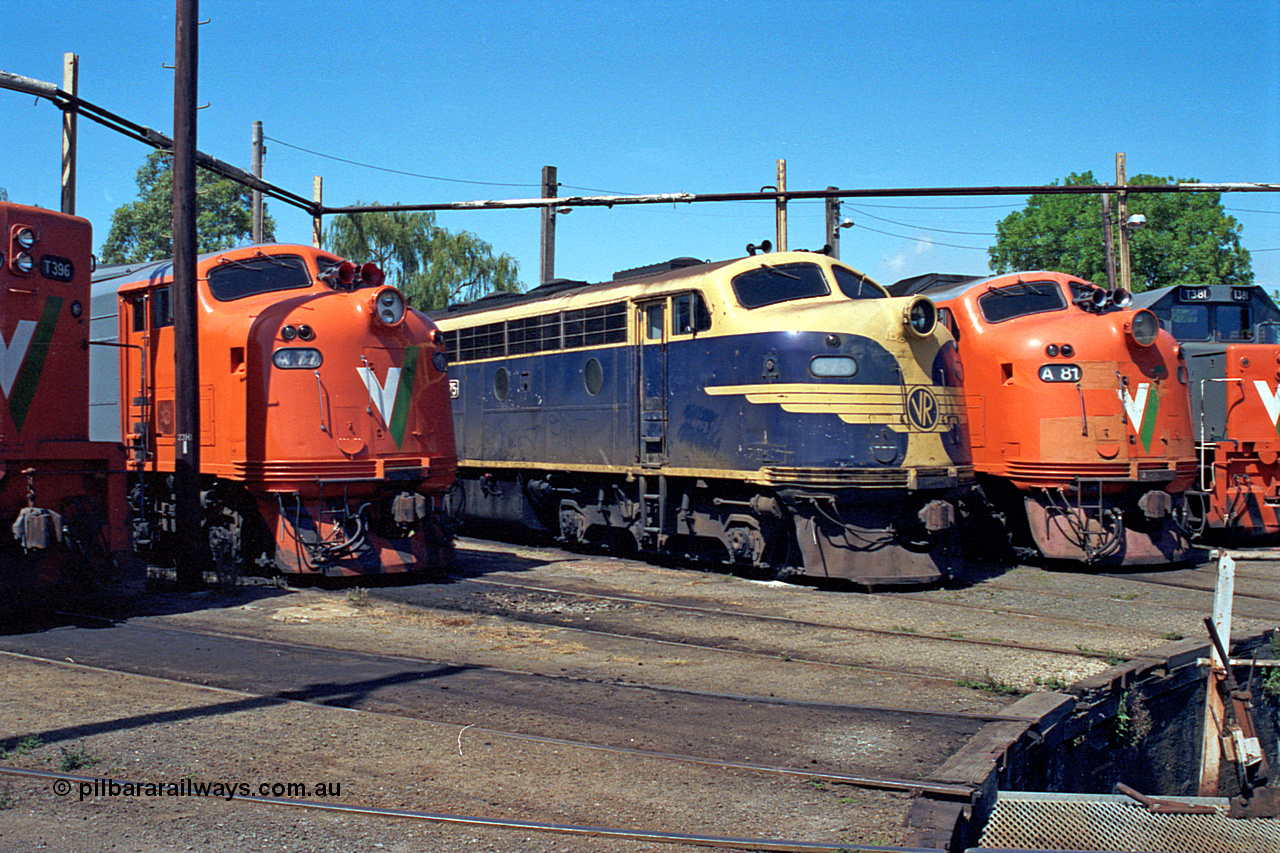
column 920, row 316
column 23, row 263
column 388, row 306
column 297, row 359
column 25, row 237
column 1143, row 328
column 441, row 361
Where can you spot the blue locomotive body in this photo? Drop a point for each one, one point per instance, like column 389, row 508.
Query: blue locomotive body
column 815, row 432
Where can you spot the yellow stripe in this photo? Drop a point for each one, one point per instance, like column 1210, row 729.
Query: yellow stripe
column 853, row 404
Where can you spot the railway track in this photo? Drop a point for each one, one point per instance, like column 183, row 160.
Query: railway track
column 565, row 675
column 594, row 832
column 628, row 718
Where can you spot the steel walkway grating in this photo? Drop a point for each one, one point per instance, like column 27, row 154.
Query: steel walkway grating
column 1098, row 822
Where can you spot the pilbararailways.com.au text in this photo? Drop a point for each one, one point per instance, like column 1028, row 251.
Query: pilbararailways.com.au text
column 193, row 788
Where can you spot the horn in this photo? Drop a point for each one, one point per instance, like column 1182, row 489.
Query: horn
column 1121, row 297
column 765, row 246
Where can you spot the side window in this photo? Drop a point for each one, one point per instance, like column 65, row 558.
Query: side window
column 138, row 309
column 653, row 322
column 161, row 307
column 689, row 314
column 946, row 318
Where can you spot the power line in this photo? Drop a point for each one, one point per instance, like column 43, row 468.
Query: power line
column 394, row 171
column 430, row 177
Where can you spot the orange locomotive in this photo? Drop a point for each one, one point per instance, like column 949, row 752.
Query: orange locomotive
column 62, row 495
column 1230, row 336
column 1079, row 417
column 325, row 425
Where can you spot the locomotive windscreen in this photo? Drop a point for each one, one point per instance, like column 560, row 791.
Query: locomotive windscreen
column 1021, row 299
column 769, row 285
column 265, row 274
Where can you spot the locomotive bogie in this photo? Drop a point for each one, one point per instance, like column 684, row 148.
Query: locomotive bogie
column 721, row 411
column 323, row 409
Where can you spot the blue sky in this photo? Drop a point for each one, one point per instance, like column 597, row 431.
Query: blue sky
column 674, row 97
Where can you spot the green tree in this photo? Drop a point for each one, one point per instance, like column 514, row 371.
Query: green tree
column 431, row 265
column 1188, row 238
column 142, row 230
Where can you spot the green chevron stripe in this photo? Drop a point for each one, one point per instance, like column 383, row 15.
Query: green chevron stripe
column 1149, row 414
column 28, row 379
column 404, row 395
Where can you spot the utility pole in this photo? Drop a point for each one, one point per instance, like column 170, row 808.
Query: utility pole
column 782, row 206
column 70, row 85
column 833, row 224
column 256, row 166
column 1123, row 210
column 550, row 189
column 1108, row 241
column 317, row 195
column 191, row 543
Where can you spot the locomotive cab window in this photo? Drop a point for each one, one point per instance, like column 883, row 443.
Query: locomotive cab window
column 653, row 315
column 769, row 285
column 1190, row 322
column 1233, row 322
column 263, row 274
column 161, row 308
column 1021, row 299
column 138, row 311
column 857, row 287
column 689, row 314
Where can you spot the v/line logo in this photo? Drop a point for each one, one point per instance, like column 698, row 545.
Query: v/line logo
column 1270, row 400
column 394, row 397
column 1142, row 408
column 23, row 360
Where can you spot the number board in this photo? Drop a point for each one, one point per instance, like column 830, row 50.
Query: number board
column 1240, row 294
column 1060, row 373
column 56, row 268
column 1193, row 294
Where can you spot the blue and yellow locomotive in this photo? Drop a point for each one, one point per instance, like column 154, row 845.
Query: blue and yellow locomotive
column 779, row 413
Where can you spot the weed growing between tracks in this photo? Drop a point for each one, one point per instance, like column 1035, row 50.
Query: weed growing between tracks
column 989, row 684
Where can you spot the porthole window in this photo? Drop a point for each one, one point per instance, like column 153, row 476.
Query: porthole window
column 593, row 376
column 501, row 383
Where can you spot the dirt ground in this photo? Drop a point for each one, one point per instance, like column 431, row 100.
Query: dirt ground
column 72, row 715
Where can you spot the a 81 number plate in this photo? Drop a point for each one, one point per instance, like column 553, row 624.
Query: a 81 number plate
column 1059, row 373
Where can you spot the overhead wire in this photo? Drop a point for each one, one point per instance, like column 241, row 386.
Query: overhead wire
column 859, row 206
